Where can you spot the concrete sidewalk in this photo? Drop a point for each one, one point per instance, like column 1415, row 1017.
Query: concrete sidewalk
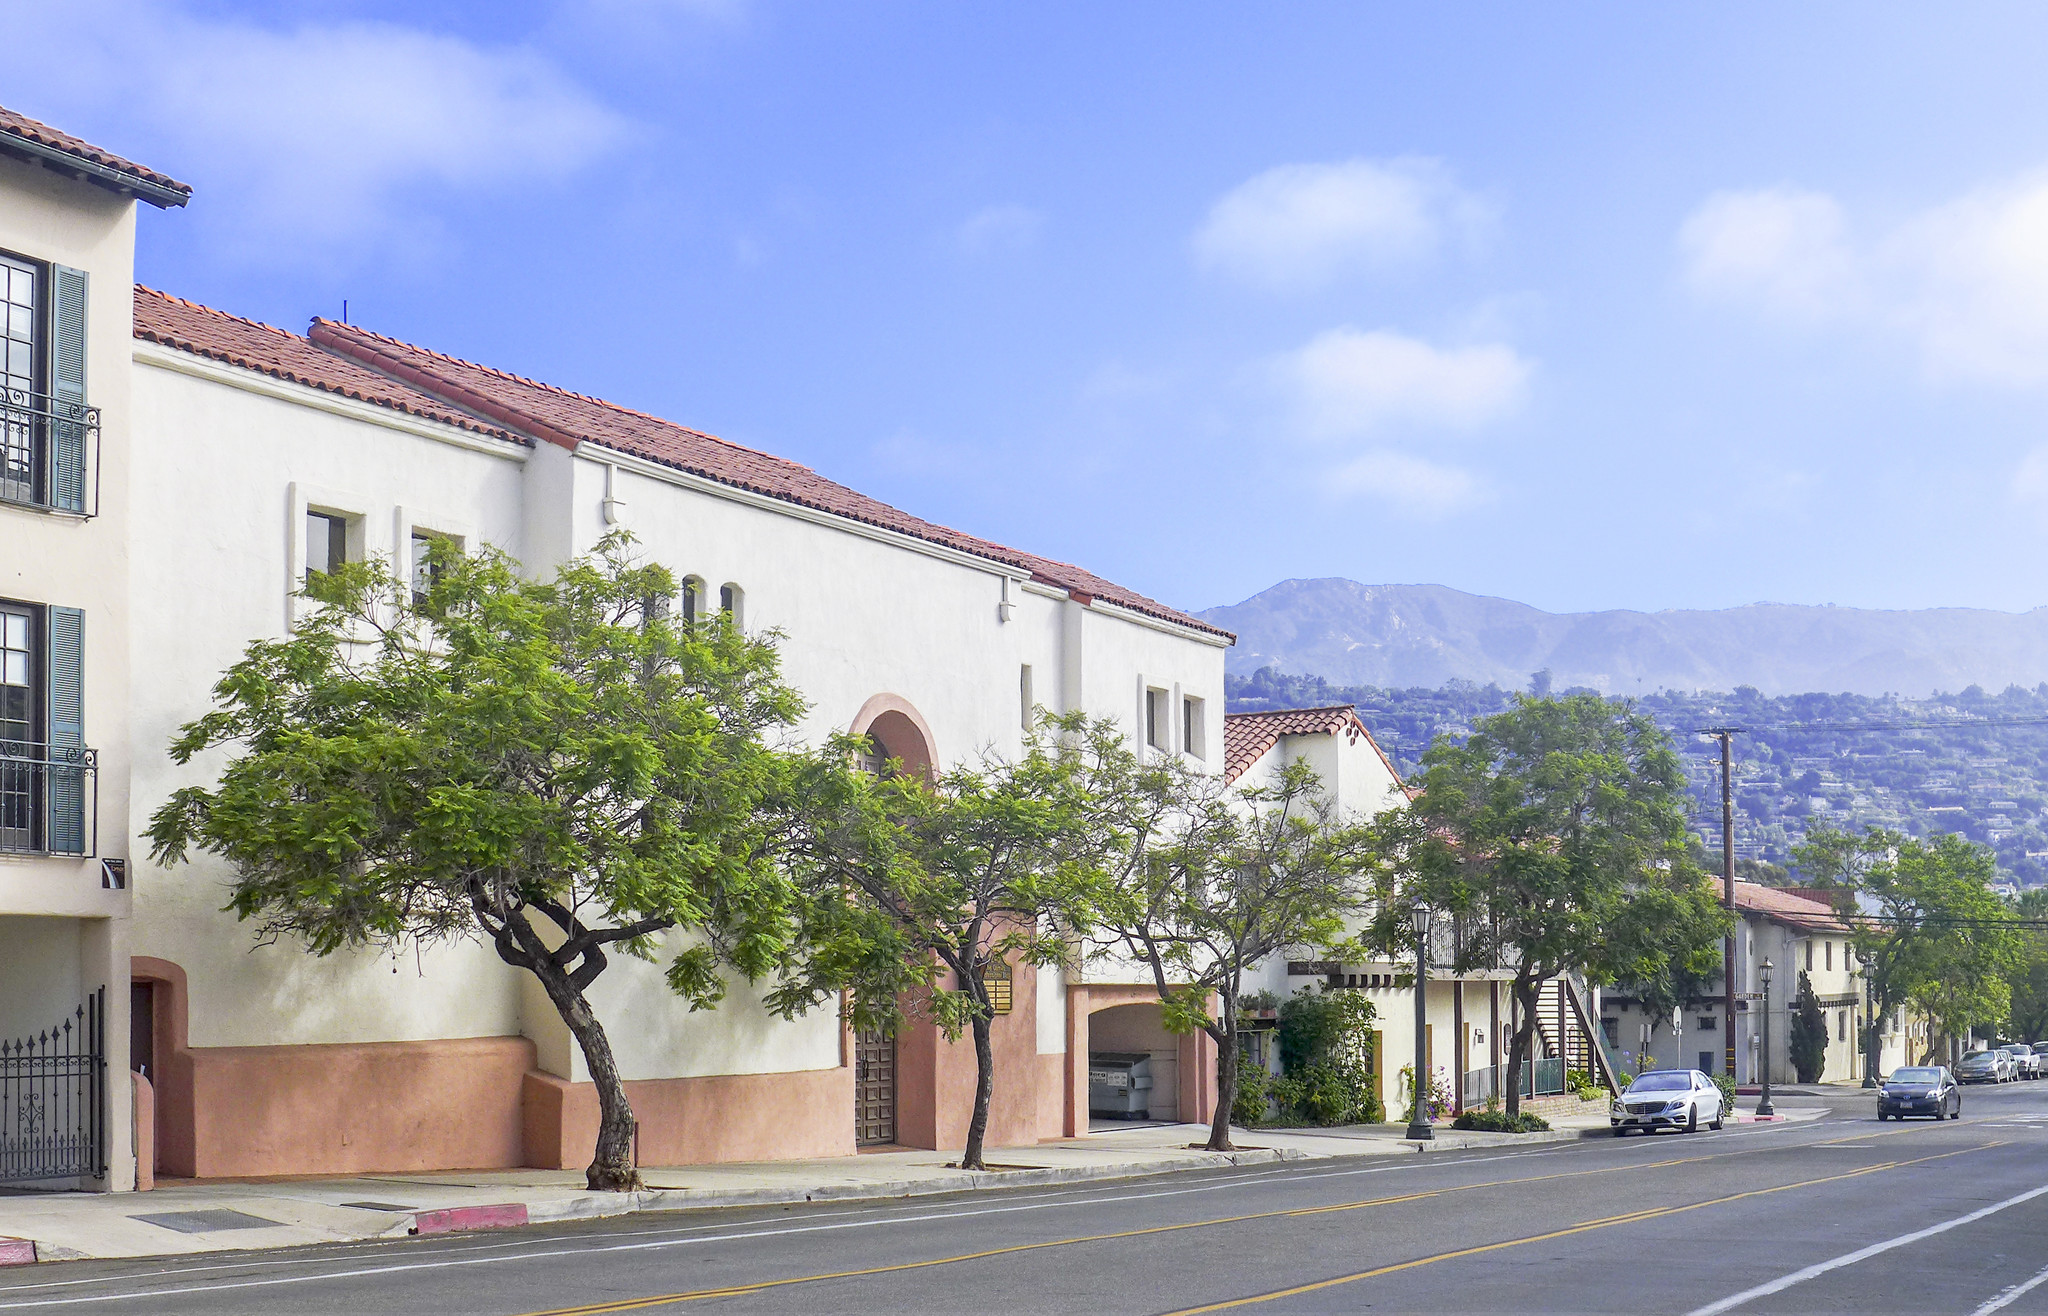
column 190, row 1216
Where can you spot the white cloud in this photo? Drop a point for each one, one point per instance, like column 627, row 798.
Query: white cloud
column 1784, row 250
column 1964, row 283
column 999, row 230
column 1300, row 225
column 1345, row 382
column 1415, row 485
column 309, row 141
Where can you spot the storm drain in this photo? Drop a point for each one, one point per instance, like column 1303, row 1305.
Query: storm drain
column 204, row 1222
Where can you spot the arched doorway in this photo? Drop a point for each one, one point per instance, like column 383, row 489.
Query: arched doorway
column 898, row 733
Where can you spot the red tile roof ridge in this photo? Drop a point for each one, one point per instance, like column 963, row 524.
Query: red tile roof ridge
column 357, row 331
column 372, row 388
column 1289, row 712
column 1257, row 731
column 13, row 123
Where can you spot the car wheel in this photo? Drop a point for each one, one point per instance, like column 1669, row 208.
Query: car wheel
column 1692, row 1119
column 1882, row 1117
column 1620, row 1132
column 1715, row 1123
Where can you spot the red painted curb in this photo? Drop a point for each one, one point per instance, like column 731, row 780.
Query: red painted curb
column 505, row 1215
column 17, row 1252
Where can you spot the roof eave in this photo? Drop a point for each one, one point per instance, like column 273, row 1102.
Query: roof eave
column 92, row 171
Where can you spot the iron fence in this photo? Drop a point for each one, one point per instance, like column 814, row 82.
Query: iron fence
column 53, row 1117
column 49, row 452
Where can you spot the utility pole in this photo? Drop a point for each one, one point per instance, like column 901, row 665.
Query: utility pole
column 1723, row 735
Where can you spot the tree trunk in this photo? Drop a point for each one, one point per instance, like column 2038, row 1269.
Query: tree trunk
column 1518, row 1043
column 611, row 1166
column 1225, row 1037
column 984, row 1089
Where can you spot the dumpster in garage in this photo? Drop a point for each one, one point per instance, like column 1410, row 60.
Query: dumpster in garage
column 1120, row 1084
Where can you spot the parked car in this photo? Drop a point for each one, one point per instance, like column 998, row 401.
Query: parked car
column 2041, row 1051
column 1667, row 1099
column 2025, row 1063
column 1984, row 1067
column 1928, row 1091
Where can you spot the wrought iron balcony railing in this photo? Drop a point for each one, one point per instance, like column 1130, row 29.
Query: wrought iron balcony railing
column 49, row 799
column 49, row 453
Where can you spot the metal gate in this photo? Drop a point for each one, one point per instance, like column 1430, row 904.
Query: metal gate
column 874, row 1089
column 53, row 1117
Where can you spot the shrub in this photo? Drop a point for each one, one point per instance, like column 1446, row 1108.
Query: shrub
column 1493, row 1120
column 1726, row 1082
column 1808, row 1043
column 1254, row 1090
column 1580, row 1082
column 1326, row 1054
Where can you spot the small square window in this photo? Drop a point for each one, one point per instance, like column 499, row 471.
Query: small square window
column 326, row 542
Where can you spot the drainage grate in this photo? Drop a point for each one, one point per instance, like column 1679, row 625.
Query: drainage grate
column 204, row 1222
column 377, row 1206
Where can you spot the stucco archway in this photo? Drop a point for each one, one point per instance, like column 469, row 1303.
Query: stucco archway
column 898, row 731
column 1124, row 1004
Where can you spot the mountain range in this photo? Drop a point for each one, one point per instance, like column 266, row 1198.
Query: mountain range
column 1425, row 635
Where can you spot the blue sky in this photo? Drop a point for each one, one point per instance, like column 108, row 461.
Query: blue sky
column 1592, row 306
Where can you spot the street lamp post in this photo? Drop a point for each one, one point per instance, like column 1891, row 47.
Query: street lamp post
column 1418, row 1117
column 1870, row 1035
column 1763, row 1106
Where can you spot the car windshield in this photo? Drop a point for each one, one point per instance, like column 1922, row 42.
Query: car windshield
column 2041, row 1048
column 1976, row 1055
column 2013, row 1048
column 1916, row 1076
column 1662, row 1083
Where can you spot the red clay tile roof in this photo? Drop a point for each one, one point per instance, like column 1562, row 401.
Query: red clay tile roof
column 218, row 336
column 568, row 419
column 1248, row 736
column 1802, row 909
column 43, row 141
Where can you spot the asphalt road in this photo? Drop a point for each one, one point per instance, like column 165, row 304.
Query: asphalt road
column 1842, row 1214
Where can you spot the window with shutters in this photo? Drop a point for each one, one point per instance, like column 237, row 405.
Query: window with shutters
column 47, row 774
column 49, row 436
column 327, row 542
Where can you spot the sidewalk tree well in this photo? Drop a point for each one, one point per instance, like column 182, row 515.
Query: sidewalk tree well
column 1807, row 1041
column 915, row 886
column 1926, row 927
column 1554, row 837
column 555, row 766
column 1217, row 881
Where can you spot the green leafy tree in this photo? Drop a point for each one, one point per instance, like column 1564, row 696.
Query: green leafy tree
column 1556, row 836
column 1218, row 881
column 1928, row 930
column 918, row 886
column 2028, row 980
column 1807, row 1043
column 554, row 766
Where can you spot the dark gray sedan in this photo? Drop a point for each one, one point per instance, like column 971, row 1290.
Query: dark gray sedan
column 1929, row 1092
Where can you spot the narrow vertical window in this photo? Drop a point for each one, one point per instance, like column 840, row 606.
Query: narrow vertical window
column 20, row 711
column 732, row 601
column 1191, row 726
column 21, row 470
column 426, row 573
column 693, row 599
column 1158, row 722
column 1025, row 703
column 326, row 542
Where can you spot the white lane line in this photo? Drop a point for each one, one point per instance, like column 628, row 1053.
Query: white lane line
column 1815, row 1271
column 2012, row 1293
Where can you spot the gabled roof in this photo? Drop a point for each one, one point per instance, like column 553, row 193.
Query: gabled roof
column 1247, row 737
column 252, row 345
column 571, row 419
column 25, row 137
column 1801, row 908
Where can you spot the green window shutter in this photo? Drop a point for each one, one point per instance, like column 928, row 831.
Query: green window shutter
column 66, row 668
column 67, row 389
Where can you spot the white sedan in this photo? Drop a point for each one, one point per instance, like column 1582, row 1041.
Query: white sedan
column 1668, row 1099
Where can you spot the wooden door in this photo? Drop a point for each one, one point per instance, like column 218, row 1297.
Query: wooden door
column 874, row 1089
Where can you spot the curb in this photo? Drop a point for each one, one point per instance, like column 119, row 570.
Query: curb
column 585, row 1206
column 501, row 1215
column 17, row 1252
